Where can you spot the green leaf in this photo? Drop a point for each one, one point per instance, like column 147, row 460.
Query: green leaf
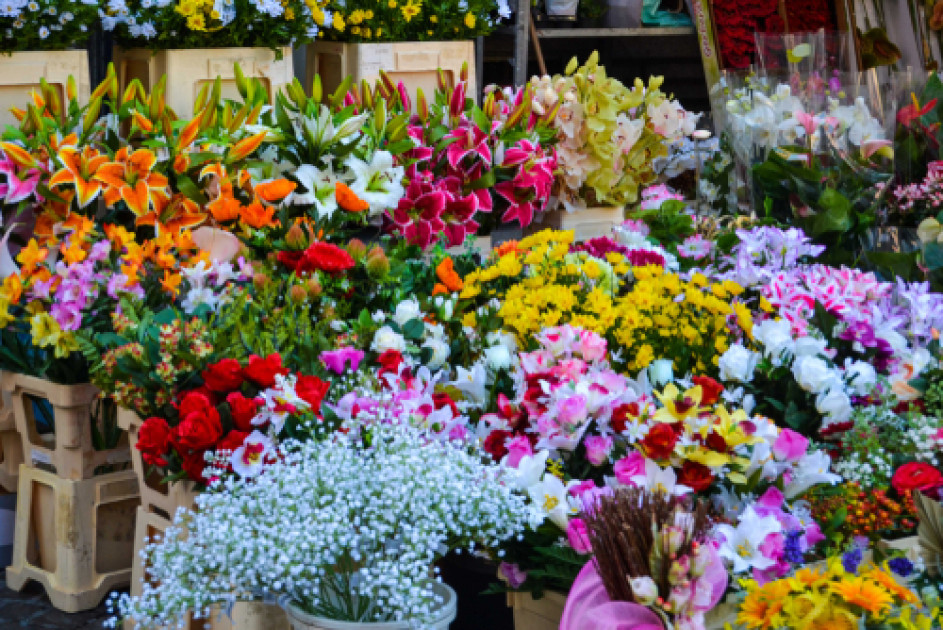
column 414, row 329
column 933, row 255
column 191, row 190
column 835, row 214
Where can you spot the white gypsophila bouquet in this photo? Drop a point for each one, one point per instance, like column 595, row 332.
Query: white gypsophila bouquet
column 346, row 529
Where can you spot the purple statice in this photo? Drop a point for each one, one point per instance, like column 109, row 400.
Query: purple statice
column 792, row 547
column 901, row 566
column 851, row 559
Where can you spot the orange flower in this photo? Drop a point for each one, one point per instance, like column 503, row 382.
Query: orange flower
column 80, row 225
column 439, row 289
column 74, row 253
column 12, row 288
column 179, row 213
column 275, row 190
column 891, row 585
column 445, row 272
column 171, row 283
column 131, row 178
column 81, row 171
column 31, row 256
column 181, row 163
column 257, row 216
column 507, row 247
column 348, row 199
column 863, row 593
column 118, row 236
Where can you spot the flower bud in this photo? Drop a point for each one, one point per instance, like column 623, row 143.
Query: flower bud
column 672, row 538
column 378, row 265
column 357, row 249
column 314, row 287
column 298, row 294
column 295, row 237
column 260, row 280
column 679, row 571
column 701, row 559
column 644, row 590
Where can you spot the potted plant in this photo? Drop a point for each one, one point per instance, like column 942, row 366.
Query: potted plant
column 344, row 532
column 193, row 43
column 41, row 41
column 408, row 39
column 607, row 136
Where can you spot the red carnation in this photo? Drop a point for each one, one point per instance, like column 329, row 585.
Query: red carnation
column 243, row 410
column 494, row 444
column 312, row 390
column 710, row 389
column 154, row 441
column 324, row 257
column 696, row 476
column 660, row 441
column 262, row 372
column 916, row 476
column 223, row 376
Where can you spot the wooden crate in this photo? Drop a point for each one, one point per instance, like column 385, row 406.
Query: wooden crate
column 68, row 450
column 415, row 64
column 11, row 447
column 586, row 224
column 243, row 616
column 20, row 73
column 188, row 70
column 75, row 537
column 537, row 614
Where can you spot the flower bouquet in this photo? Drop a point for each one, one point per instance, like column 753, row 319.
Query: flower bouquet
column 346, row 530
column 46, row 24
column 366, row 21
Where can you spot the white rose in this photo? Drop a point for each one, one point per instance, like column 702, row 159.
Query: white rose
column 498, row 357
column 738, row 364
column 776, row 337
column 406, row 311
column 814, row 375
column 860, row 376
column 809, row 346
column 440, row 352
column 387, row 339
column 660, row 372
column 835, row 404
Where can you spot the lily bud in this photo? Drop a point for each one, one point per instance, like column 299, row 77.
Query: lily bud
column 422, row 106
column 317, row 92
column 259, row 281
column 357, row 249
column 298, row 294
column 672, row 538
column 457, row 103
column 295, row 237
column 378, row 265
column 680, row 570
column 314, row 287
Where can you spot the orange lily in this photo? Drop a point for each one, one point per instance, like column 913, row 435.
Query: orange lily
column 348, row 199
column 80, row 170
column 171, row 282
column 130, row 177
column 178, row 213
column 257, row 216
column 244, row 147
column 79, row 225
column 20, row 156
column 31, row 255
column 275, row 190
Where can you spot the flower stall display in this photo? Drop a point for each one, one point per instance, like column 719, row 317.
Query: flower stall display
column 607, row 137
column 411, row 42
column 42, row 44
column 410, row 498
column 193, row 42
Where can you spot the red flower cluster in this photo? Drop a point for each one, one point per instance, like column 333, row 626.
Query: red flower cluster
column 318, row 256
column 735, row 22
column 218, row 415
column 809, row 15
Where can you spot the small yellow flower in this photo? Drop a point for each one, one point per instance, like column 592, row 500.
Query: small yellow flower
column 434, row 19
column 338, row 23
column 469, row 20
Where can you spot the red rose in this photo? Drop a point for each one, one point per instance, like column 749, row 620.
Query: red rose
column 660, row 441
column 444, row 400
column 696, row 476
column 621, row 416
column 389, row 362
column 324, row 257
column 154, row 441
column 193, row 401
column 232, row 441
column 494, row 444
column 203, row 390
column 199, row 427
column 262, row 371
column 193, row 464
column 312, row 390
column 916, row 476
column 710, row 389
column 243, row 410
column 224, row 376
column 289, row 259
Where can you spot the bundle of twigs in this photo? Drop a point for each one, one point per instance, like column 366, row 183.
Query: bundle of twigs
column 627, row 531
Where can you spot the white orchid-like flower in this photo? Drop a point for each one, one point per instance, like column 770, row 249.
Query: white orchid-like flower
column 741, row 544
column 248, row 459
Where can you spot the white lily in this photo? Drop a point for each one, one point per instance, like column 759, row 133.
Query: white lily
column 811, row 470
column 379, row 183
column 472, row 383
column 320, row 187
column 248, row 459
column 658, row 479
column 551, row 498
column 741, row 545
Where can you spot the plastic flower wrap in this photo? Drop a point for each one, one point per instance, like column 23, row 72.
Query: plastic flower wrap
column 413, row 20
column 209, row 23
column 46, row 24
column 596, row 114
column 413, row 499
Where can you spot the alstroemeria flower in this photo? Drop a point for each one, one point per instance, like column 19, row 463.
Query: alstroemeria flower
column 248, row 459
column 338, row 360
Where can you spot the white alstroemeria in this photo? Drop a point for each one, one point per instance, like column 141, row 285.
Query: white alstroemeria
column 658, row 479
column 529, row 469
column 198, row 297
column 379, row 183
column 741, row 544
column 197, row 274
column 320, row 186
column 809, row 471
column 550, row 497
column 730, row 504
column 248, row 459
column 473, row 383
column 279, row 402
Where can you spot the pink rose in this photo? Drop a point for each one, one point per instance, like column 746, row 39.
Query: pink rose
column 790, row 446
column 592, row 346
column 571, row 410
column 598, row 449
column 578, row 537
column 517, row 448
column 632, row 465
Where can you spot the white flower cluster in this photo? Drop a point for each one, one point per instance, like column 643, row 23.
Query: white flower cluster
column 209, row 284
column 346, row 531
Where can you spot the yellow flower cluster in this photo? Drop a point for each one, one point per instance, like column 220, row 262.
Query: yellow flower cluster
column 540, row 284
column 200, row 15
column 829, row 598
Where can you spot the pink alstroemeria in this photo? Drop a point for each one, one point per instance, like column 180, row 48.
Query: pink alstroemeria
column 338, row 360
column 248, row 459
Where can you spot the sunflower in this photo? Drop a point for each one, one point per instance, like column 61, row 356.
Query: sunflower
column 864, row 593
column 891, row 585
